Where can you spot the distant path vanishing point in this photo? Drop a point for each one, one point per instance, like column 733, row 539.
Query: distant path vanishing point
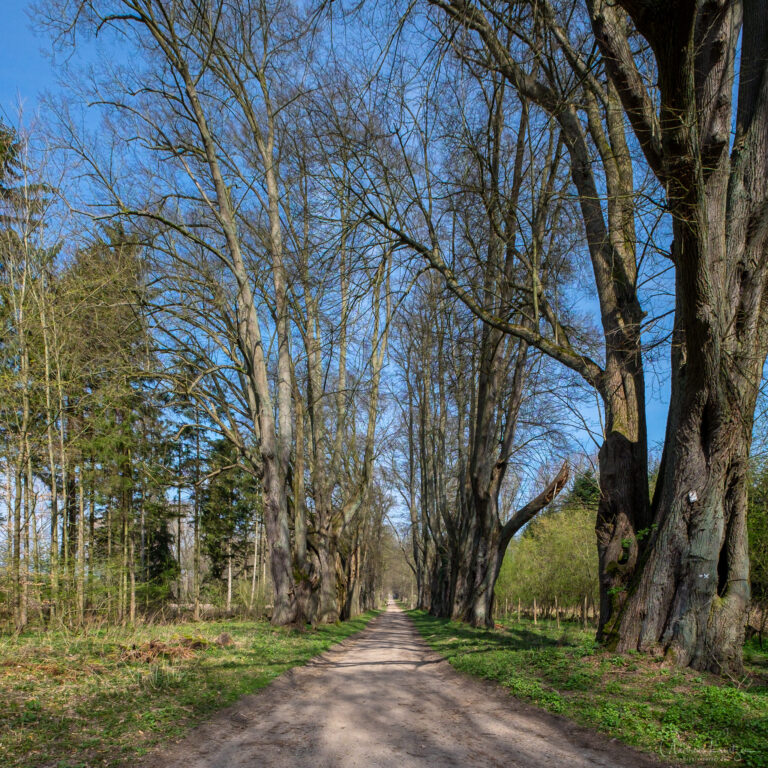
column 383, row 699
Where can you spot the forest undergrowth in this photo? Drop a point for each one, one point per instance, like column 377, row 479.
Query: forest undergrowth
column 107, row 696
column 679, row 715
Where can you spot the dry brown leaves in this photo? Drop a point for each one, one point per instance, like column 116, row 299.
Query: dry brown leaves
column 177, row 648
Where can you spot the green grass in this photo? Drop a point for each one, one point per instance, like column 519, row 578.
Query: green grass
column 680, row 715
column 105, row 697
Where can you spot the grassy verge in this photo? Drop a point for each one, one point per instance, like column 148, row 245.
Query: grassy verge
column 679, row 715
column 105, row 697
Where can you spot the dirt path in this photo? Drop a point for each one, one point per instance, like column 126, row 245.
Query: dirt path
column 383, row 699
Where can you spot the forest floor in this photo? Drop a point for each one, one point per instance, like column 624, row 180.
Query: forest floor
column 681, row 716
column 384, row 699
column 106, row 696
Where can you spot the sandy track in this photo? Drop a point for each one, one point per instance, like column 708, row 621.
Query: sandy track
column 383, row 699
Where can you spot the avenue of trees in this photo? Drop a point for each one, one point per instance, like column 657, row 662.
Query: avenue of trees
column 644, row 104
column 322, row 286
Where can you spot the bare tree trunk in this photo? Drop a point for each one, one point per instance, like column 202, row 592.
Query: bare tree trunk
column 196, row 532
column 109, row 575
column 229, row 579
column 26, row 571
column 178, row 527
column 9, row 532
column 25, row 481
column 255, row 565
column 353, row 578
column 302, row 576
column 492, row 543
column 91, row 546
column 80, row 556
column 123, row 595
column 419, row 542
column 63, row 469
column 50, row 421
column 328, row 610
column 143, row 557
column 16, row 576
column 132, row 574
column 263, row 556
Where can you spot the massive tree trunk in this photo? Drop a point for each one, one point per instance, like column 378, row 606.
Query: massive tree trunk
column 328, row 607
column 441, row 583
column 279, row 541
column 692, row 593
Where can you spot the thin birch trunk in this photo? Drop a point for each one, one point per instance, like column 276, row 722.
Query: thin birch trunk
column 91, row 547
column 124, row 565
column 132, row 572
column 63, row 467
column 9, row 524
column 178, row 530
column 229, row 579
column 196, row 532
column 49, row 421
column 25, row 572
column 80, row 556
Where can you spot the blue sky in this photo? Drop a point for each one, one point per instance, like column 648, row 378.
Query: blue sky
column 25, row 71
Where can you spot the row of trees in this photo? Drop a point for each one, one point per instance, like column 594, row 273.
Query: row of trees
column 118, row 496
column 642, row 101
column 80, row 415
column 265, row 313
column 99, row 483
column 567, row 172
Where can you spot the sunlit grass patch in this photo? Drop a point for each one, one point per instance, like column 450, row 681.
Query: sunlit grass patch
column 680, row 715
column 105, row 697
